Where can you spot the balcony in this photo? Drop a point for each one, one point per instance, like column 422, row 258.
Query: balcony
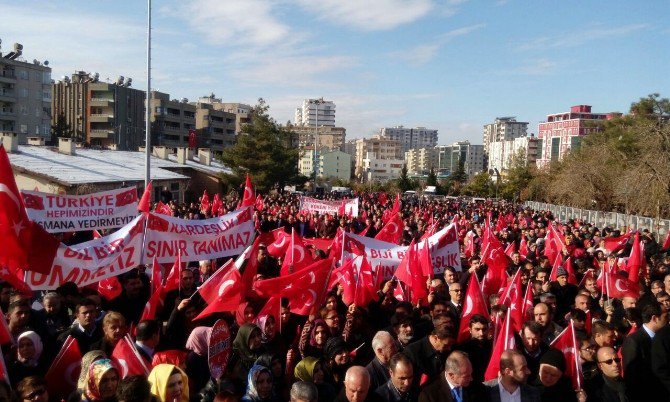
column 7, row 76
column 105, row 133
column 7, row 115
column 101, row 102
column 102, row 118
column 7, row 95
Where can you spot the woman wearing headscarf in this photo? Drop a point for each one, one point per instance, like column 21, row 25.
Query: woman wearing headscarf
column 272, row 342
column 247, row 347
column 169, row 383
column 102, row 379
column 276, row 366
column 86, row 361
column 318, row 335
column 197, row 365
column 310, row 369
column 259, row 385
column 245, row 314
column 27, row 362
column 553, row 385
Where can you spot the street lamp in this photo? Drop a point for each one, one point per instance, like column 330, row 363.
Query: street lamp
column 316, row 102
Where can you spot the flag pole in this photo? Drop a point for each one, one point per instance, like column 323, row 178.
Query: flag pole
column 147, row 117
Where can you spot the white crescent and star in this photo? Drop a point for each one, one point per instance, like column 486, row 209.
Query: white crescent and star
column 225, row 285
column 395, row 225
column 124, row 367
column 301, row 251
column 616, row 285
column 312, row 299
column 468, row 306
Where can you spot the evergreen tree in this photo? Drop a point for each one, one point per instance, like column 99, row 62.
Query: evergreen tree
column 61, row 129
column 459, row 176
column 404, row 182
column 432, row 178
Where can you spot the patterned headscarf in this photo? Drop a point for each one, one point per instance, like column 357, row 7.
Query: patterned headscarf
column 252, row 380
column 312, row 335
column 95, row 373
column 37, row 344
column 86, row 361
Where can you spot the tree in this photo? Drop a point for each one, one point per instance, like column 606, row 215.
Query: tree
column 459, row 175
column 518, row 175
column 264, row 150
column 404, row 183
column 479, row 186
column 61, row 129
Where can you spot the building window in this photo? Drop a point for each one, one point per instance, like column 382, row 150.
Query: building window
column 23, row 74
column 24, row 128
column 23, row 93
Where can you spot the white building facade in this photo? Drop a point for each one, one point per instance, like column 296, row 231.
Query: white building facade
column 381, row 170
column 503, row 129
column 410, row 138
column 501, row 153
column 315, row 112
column 450, row 156
column 421, row 161
column 335, row 165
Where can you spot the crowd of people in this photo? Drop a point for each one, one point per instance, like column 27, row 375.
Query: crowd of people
column 387, row 350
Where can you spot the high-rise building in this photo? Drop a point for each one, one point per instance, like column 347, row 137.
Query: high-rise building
column 315, row 112
column 172, row 121
column 241, row 111
column 215, row 127
column 421, row 161
column 564, row 131
column 101, row 114
column 503, row 129
column 501, row 153
column 328, row 138
column 25, row 96
column 450, row 156
column 410, row 138
column 376, row 149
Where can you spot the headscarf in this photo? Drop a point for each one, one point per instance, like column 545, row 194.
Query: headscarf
column 158, row 378
column 198, row 341
column 252, row 380
column 241, row 344
column 261, row 321
column 312, row 334
column 239, row 314
column 171, row 356
column 304, row 370
column 86, row 361
column 93, row 378
column 37, row 344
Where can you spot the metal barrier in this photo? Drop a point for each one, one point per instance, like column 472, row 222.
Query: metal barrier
column 602, row 219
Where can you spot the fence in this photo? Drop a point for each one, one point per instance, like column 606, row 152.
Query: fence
column 602, row 219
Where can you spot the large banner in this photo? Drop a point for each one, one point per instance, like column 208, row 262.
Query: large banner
column 444, row 251
column 198, row 240
column 346, row 207
column 94, row 260
column 71, row 213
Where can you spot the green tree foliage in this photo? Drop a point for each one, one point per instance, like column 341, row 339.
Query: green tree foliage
column 403, row 182
column 61, row 129
column 517, row 178
column 431, row 180
column 480, row 186
column 459, row 175
column 264, row 150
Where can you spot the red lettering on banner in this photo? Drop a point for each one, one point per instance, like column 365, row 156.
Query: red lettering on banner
column 57, row 276
column 37, row 282
column 108, row 249
column 161, row 249
column 79, row 255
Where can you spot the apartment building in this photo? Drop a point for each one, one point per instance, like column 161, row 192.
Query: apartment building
column 503, row 129
column 450, row 156
column 421, row 161
column 172, row 121
column 376, row 149
column 410, row 138
column 315, row 112
column 327, row 138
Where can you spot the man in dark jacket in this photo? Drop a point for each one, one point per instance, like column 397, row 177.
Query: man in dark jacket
column 455, row 383
column 608, row 385
column 384, row 346
column 429, row 353
column 85, row 330
column 399, row 387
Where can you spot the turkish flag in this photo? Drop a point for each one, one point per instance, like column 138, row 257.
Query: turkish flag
column 469, row 244
column 523, row 247
column 352, row 245
column 62, row 376
column 250, row 261
column 209, row 290
column 226, row 295
column 666, row 242
column 297, row 256
column 128, row 197
column 305, row 289
column 217, row 205
column 5, row 335
column 636, row 260
column 513, row 299
column 248, row 199
column 154, row 304
column 280, row 244
column 345, row 276
column 157, row 223
column 426, row 260
column 617, row 286
column 474, row 303
column 110, row 288
column 162, row 209
column 173, row 280
column 259, row 204
column 25, row 244
column 392, row 230
column 504, row 341
column 366, row 291
column 32, row 201
column 495, row 259
column 272, row 308
column 614, row 244
column 145, row 202
column 382, row 199
column 510, row 249
column 128, row 359
column 409, row 271
column 204, row 202
column 566, row 342
column 16, row 281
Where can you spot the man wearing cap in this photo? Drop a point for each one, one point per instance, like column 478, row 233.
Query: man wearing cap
column 608, row 385
column 565, row 292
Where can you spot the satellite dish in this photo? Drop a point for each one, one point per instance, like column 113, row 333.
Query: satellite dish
column 46, row 62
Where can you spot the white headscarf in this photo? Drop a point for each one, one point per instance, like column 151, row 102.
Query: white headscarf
column 37, row 344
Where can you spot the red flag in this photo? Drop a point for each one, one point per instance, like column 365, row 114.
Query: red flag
column 297, row 256
column 250, row 256
column 344, row 276
column 25, row 244
column 217, row 205
column 128, row 359
column 666, row 242
column 154, row 305
column 63, row 374
column 409, row 271
column 392, row 230
column 426, row 261
column 110, row 288
column 227, row 297
column 163, row 209
column 512, row 298
column 566, row 342
column 212, row 287
column 617, row 286
column 504, row 341
column 389, row 214
column 173, row 280
column 96, row 234
column 523, row 247
column 305, row 289
column 588, row 323
column 259, row 204
column 248, row 200
column 281, row 243
column 496, row 261
column 156, row 276
column 366, row 291
column 16, row 281
column 145, row 201
column 382, row 199
column 272, row 308
column 474, row 303
column 204, row 203
column 636, row 260
column 614, row 244
column 469, row 244
column 5, row 334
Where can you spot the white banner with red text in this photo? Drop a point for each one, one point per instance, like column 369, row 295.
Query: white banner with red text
column 197, row 240
column 70, row 213
column 384, row 256
column 94, row 260
column 341, row 207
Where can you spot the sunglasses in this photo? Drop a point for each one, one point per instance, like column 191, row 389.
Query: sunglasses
column 610, row 361
column 34, row 394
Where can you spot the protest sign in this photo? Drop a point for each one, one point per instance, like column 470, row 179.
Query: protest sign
column 342, row 207
column 71, row 213
column 220, row 348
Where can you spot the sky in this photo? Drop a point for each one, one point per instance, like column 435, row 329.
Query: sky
column 451, row 65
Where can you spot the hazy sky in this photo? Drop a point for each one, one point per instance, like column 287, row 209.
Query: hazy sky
column 453, row 65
